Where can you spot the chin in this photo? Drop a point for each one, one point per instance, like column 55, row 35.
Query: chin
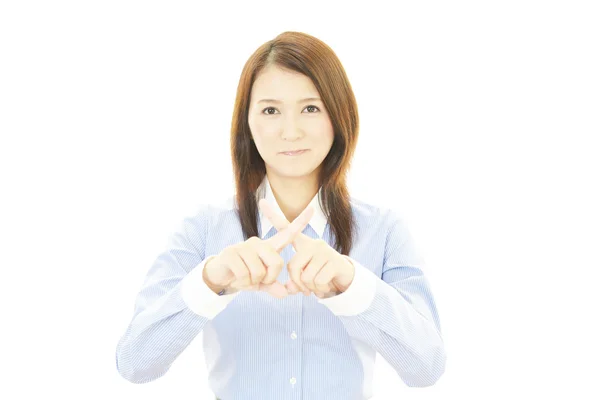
column 296, row 171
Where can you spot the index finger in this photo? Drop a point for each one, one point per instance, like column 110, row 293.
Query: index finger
column 287, row 235
column 279, row 221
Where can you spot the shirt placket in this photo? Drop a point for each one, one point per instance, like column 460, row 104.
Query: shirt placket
column 293, row 326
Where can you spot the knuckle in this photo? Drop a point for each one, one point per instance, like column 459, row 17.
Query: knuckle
column 239, row 250
column 291, row 267
column 293, row 271
column 279, row 262
column 266, row 246
column 232, row 251
column 268, row 280
column 218, row 260
column 225, row 261
column 261, row 272
column 244, row 280
column 226, row 252
column 275, row 262
column 244, row 273
column 319, row 281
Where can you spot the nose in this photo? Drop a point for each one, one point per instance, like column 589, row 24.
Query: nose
column 291, row 130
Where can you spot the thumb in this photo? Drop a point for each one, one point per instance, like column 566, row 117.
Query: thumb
column 292, row 288
column 275, row 289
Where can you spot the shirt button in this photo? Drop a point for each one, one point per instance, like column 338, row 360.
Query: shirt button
column 293, row 380
column 293, row 335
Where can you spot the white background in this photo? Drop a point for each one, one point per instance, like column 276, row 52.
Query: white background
column 479, row 122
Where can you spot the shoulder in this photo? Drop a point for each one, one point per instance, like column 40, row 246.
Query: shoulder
column 386, row 223
column 205, row 216
column 366, row 213
column 215, row 210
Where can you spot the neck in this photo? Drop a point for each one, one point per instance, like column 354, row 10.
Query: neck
column 293, row 195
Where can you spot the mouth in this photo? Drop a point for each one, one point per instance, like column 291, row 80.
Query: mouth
column 294, row 153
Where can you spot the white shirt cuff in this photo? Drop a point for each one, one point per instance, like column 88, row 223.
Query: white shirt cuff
column 359, row 295
column 199, row 297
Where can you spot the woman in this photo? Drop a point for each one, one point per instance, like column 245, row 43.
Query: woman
column 295, row 284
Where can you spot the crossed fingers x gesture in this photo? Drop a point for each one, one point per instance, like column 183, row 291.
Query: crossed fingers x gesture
column 315, row 267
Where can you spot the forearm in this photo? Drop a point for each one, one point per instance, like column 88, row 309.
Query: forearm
column 398, row 320
column 408, row 341
column 156, row 336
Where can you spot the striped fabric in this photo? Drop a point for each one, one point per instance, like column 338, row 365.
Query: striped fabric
column 260, row 347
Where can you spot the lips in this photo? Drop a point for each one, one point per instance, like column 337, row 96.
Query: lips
column 294, row 152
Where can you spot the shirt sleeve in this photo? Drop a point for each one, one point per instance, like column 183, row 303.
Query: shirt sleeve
column 396, row 313
column 167, row 313
column 200, row 298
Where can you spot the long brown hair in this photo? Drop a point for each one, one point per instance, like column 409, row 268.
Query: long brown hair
column 310, row 56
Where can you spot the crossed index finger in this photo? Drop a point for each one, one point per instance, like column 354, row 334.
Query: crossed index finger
column 287, row 235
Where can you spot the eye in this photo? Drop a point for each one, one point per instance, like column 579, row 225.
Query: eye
column 307, row 107
column 268, row 108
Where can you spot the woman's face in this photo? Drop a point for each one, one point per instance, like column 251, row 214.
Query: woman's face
column 286, row 114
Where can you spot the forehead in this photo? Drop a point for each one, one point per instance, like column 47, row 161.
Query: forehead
column 277, row 83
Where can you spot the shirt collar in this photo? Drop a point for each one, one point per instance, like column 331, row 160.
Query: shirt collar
column 317, row 222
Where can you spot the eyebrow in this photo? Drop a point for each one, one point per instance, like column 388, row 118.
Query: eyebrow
column 279, row 101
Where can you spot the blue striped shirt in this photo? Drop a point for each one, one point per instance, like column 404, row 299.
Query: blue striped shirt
column 300, row 347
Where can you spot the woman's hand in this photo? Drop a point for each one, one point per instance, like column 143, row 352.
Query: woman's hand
column 254, row 264
column 316, row 267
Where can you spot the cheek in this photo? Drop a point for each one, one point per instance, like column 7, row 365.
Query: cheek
column 263, row 128
column 263, row 136
column 325, row 132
